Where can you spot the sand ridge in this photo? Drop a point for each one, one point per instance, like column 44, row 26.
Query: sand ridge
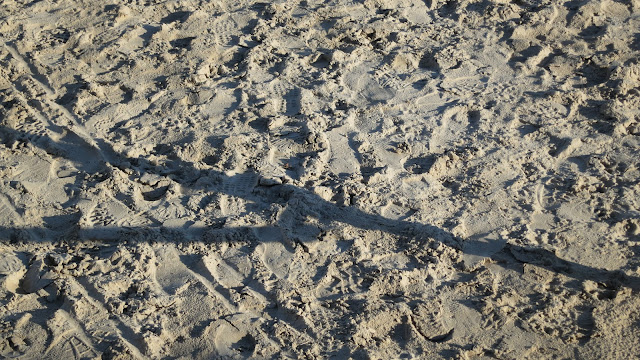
column 319, row 179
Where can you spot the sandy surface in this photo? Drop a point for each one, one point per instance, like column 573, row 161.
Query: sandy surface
column 307, row 179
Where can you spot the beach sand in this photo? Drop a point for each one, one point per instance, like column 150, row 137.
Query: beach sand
column 320, row 179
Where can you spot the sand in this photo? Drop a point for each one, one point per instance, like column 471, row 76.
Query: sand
column 307, row 179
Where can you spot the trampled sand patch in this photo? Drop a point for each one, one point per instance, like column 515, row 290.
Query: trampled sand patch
column 307, row 179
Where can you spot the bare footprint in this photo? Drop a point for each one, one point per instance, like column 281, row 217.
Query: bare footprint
column 274, row 255
column 234, row 341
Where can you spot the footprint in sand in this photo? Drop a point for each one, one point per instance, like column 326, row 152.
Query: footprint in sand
column 240, row 184
column 222, row 272
column 232, row 341
column 273, row 253
column 12, row 269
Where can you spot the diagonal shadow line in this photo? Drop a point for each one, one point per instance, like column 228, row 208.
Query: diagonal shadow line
column 306, row 203
column 613, row 279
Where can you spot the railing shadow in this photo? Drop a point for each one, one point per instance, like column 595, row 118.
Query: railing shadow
column 302, row 202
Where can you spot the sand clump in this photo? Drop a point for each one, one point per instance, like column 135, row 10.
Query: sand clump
column 306, row 179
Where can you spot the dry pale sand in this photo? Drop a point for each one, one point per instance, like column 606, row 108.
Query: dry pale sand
column 320, row 179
